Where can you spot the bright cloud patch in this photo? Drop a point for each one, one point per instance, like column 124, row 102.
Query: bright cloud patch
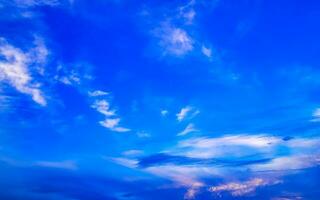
column 15, row 69
column 187, row 112
column 206, row 51
column 175, row 41
column 112, row 122
column 193, row 161
column 242, row 188
column 189, row 129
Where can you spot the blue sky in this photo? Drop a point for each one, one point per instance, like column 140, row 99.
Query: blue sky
column 194, row 99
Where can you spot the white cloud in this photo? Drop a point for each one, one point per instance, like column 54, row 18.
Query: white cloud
column 132, row 152
column 294, row 162
column 164, row 112
column 187, row 176
column 183, row 175
column 175, row 40
column 187, row 12
column 113, row 124
column 70, row 79
column 111, row 120
column 130, row 163
column 97, row 93
column 189, row 129
column 206, row 51
column 189, row 16
column 103, row 107
column 258, row 141
column 228, row 145
column 243, row 188
column 192, row 191
column 186, row 112
column 72, row 75
column 231, row 148
column 14, row 69
column 316, row 115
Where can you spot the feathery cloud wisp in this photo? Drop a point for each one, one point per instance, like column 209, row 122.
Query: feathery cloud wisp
column 113, row 124
column 14, row 69
column 175, row 40
column 206, row 51
column 103, row 107
column 97, row 93
column 189, row 129
column 111, row 120
column 186, row 112
column 243, row 188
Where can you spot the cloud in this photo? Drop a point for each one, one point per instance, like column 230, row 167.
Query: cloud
column 71, row 79
column 187, row 12
column 228, row 145
column 206, row 51
column 72, row 75
column 130, row 163
column 176, row 32
column 132, row 152
column 258, row 141
column 103, row 107
column 189, row 129
column 97, row 93
column 164, row 112
column 175, row 41
column 14, row 69
column 71, row 165
column 294, row 162
column 113, row 124
column 316, row 115
column 243, row 188
column 192, row 162
column 185, row 112
column 192, row 191
column 111, row 120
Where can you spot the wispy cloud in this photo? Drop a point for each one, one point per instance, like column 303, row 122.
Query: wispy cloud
column 14, row 69
column 292, row 162
column 174, row 40
column 187, row 12
column 316, row 115
column 111, row 121
column 71, row 78
column 131, row 163
column 241, row 145
column 243, row 188
column 189, row 129
column 113, row 125
column 97, row 93
column 73, row 74
column 103, row 107
column 133, row 152
column 186, row 112
column 206, row 51
column 164, row 112
column 176, row 32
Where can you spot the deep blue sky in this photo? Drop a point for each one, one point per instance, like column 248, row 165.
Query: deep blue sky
column 163, row 99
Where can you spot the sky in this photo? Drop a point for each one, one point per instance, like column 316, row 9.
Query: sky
column 162, row 99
